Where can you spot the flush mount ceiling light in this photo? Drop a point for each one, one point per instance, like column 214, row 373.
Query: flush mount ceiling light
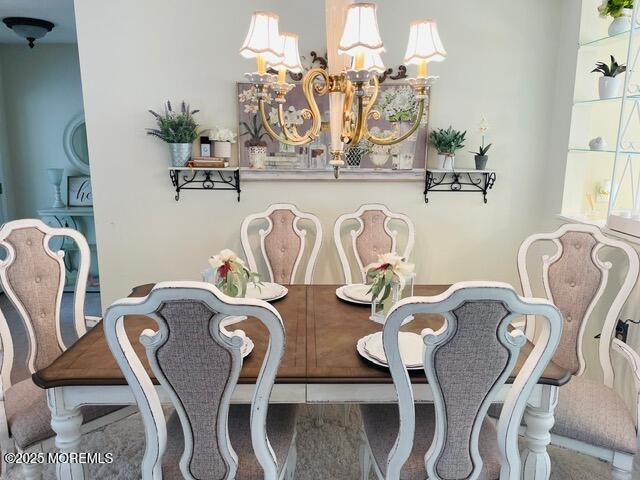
column 352, row 91
column 29, row 28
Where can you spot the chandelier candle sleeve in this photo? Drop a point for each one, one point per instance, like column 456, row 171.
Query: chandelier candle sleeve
column 263, row 41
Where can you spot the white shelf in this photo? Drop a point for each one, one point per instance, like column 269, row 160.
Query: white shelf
column 606, row 40
column 346, row 174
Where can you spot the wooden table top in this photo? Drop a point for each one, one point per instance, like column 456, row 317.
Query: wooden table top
column 321, row 336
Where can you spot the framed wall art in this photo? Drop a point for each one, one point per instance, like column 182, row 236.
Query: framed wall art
column 261, row 155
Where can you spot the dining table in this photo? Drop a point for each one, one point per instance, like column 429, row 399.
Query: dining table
column 320, row 366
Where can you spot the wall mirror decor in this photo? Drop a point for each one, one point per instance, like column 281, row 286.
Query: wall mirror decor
column 75, row 143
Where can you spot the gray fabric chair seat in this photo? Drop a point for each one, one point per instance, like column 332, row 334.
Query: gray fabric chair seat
column 29, row 417
column 593, row 413
column 281, row 421
column 381, row 423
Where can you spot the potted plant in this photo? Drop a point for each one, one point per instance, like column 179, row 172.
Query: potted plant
column 481, row 156
column 621, row 12
column 178, row 129
column 257, row 148
column 447, row 142
column 609, row 86
column 222, row 139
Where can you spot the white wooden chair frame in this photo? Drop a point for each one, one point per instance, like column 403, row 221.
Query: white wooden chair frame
column 81, row 322
column 300, row 232
column 147, row 396
column 622, row 463
column 516, row 399
column 342, row 255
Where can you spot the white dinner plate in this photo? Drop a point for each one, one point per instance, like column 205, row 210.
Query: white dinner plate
column 341, row 293
column 247, row 343
column 370, row 347
column 267, row 291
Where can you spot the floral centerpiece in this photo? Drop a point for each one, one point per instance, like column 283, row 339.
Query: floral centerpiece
column 178, row 129
column 222, row 138
column 388, row 278
column 231, row 273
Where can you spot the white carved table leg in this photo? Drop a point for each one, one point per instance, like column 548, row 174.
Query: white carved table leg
column 66, row 421
column 538, row 417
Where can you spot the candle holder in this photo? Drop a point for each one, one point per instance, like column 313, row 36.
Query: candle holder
column 55, row 179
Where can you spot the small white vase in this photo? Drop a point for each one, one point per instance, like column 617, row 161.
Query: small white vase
column 257, row 156
column 379, row 159
column 180, row 153
column 609, row 87
column 446, row 161
column 622, row 23
column 222, row 149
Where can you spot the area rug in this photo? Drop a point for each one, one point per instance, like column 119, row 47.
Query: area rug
column 327, row 449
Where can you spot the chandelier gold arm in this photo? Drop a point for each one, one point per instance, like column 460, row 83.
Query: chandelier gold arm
column 391, row 140
column 309, row 86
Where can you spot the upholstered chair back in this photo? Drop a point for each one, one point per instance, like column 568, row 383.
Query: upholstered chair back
column 33, row 278
column 198, row 363
column 284, row 243
column 373, row 235
column 467, row 362
column 575, row 278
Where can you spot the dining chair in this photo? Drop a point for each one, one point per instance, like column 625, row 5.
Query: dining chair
column 283, row 242
column 33, row 278
column 590, row 416
column 467, row 363
column 198, row 366
column 372, row 237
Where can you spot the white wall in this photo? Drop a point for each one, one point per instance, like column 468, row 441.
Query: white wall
column 503, row 58
column 42, row 91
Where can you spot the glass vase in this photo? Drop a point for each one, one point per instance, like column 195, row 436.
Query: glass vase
column 380, row 308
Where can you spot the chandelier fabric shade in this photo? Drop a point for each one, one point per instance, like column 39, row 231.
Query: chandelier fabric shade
column 291, row 59
column 372, row 62
column 263, row 39
column 424, row 43
column 361, row 34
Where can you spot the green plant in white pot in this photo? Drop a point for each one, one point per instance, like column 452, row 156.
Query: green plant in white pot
column 178, row 129
column 609, row 86
column 447, row 142
column 621, row 12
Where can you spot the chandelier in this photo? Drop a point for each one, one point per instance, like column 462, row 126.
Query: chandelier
column 352, row 87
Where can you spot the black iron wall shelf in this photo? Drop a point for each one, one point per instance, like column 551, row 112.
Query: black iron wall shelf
column 459, row 180
column 184, row 178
